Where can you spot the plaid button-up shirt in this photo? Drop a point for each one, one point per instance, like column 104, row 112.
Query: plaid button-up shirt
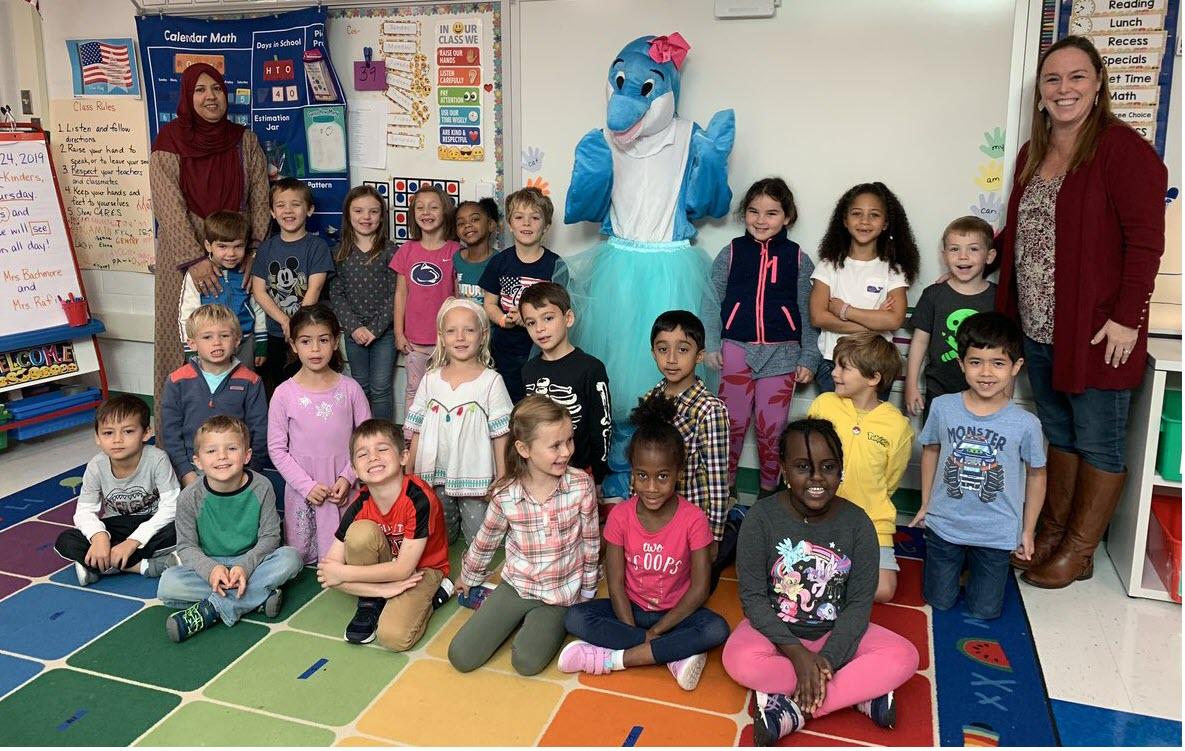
column 552, row 546
column 702, row 420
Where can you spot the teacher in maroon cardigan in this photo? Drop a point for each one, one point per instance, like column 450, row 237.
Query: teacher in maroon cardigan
column 1079, row 256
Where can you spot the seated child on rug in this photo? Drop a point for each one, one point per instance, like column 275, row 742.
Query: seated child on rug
column 228, row 538
column 459, row 418
column 225, row 236
column 976, row 510
column 391, row 550
column 124, row 514
column 877, row 438
column 547, row 511
column 657, row 566
column 213, row 382
column 677, row 344
column 567, row 374
column 807, row 571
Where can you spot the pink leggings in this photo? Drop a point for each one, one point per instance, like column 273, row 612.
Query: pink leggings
column 768, row 397
column 883, row 661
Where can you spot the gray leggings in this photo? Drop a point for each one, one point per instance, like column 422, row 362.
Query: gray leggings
column 462, row 514
column 535, row 645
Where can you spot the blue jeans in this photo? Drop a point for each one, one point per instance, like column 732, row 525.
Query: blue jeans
column 181, row 586
column 596, row 623
column 373, row 367
column 823, row 377
column 1092, row 424
column 985, row 585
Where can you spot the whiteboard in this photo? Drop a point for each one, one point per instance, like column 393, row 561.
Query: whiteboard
column 826, row 94
column 36, row 259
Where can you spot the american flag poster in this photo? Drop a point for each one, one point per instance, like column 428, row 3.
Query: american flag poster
column 104, row 67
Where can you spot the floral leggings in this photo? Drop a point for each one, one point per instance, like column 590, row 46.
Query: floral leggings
column 745, row 396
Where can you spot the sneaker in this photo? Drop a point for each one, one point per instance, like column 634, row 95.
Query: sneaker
column 86, row 575
column 273, row 603
column 185, row 623
column 582, row 657
column 156, row 566
column 882, row 710
column 363, row 627
column 777, row 717
column 688, row 670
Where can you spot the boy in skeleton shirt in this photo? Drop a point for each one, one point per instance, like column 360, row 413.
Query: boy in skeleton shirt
column 566, row 374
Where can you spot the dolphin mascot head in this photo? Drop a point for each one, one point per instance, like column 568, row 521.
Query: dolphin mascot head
column 643, row 87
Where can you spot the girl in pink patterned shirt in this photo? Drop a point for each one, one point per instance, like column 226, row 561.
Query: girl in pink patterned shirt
column 658, row 567
column 547, row 511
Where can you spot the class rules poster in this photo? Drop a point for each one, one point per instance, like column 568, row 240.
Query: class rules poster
column 280, row 83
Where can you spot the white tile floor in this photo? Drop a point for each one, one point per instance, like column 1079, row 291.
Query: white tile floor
column 1097, row 646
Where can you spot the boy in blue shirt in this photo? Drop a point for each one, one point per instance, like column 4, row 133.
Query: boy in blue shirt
column 975, row 507
column 290, row 271
column 225, row 238
column 213, row 382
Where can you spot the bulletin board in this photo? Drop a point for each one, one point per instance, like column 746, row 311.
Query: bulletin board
column 435, row 111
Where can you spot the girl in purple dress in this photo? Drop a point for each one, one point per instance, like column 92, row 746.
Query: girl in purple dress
column 309, row 423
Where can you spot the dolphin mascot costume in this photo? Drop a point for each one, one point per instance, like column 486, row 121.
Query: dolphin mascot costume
column 646, row 177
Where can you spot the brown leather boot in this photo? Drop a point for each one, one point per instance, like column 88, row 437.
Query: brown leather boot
column 1095, row 500
column 1061, row 473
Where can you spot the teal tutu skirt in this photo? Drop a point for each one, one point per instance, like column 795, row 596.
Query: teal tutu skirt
column 618, row 288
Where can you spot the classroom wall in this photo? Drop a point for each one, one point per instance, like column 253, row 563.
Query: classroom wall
column 123, row 300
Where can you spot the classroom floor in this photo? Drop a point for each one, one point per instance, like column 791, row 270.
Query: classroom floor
column 1081, row 666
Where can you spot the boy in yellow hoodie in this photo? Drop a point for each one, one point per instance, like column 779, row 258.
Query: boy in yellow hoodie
column 877, row 439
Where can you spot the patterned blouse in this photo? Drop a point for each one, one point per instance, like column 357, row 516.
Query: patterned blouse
column 1036, row 238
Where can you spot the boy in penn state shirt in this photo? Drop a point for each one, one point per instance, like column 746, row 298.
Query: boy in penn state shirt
column 568, row 375
column 975, row 507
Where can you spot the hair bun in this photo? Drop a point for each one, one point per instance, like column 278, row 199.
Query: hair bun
column 655, row 409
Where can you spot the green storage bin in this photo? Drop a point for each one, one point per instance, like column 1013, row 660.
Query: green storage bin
column 5, row 416
column 1168, row 455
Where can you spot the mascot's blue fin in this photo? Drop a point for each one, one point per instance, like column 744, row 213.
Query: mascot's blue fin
column 592, row 180
column 706, row 192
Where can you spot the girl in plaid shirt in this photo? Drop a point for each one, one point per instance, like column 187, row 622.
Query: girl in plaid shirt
column 548, row 513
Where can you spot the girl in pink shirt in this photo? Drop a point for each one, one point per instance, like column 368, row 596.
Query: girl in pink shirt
column 657, row 565
column 424, row 265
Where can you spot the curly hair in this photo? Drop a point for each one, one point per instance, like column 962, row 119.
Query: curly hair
column 654, row 418
column 895, row 245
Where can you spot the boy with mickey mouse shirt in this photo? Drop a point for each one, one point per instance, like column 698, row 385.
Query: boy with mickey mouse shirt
column 289, row 271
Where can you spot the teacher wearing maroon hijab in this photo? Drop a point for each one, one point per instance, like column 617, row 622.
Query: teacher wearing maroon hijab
column 1079, row 257
column 201, row 163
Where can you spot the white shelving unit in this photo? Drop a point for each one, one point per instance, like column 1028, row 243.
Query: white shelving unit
column 1127, row 541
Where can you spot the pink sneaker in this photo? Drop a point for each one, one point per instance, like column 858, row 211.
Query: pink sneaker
column 688, row 670
column 582, row 657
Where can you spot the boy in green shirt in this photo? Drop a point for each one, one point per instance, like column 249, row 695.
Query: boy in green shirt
column 228, row 537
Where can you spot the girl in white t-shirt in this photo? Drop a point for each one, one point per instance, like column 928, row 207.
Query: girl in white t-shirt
column 460, row 418
column 867, row 260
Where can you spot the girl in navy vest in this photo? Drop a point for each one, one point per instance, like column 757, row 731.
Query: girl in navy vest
column 758, row 331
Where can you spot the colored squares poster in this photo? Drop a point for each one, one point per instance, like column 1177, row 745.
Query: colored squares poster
column 403, row 190
column 459, row 88
column 1137, row 40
